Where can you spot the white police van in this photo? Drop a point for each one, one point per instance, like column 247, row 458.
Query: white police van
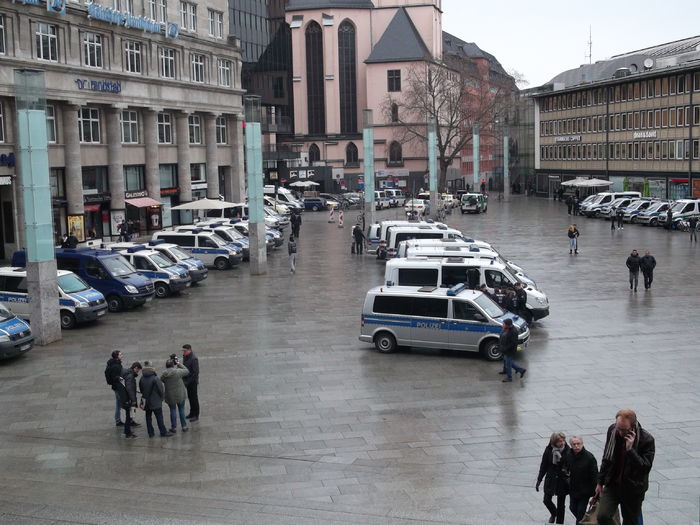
column 227, row 233
column 167, row 277
column 204, row 245
column 423, row 271
column 430, row 317
column 198, row 270
column 431, row 231
column 77, row 301
column 16, row 336
column 465, row 242
column 379, row 231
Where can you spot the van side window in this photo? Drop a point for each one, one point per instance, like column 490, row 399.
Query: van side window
column 386, row 304
column 495, row 279
column 429, row 307
column 141, row 263
column 688, row 207
column 68, row 263
column 181, row 240
column 417, row 276
column 16, row 284
column 465, row 311
column 452, row 275
column 205, row 242
column 94, row 269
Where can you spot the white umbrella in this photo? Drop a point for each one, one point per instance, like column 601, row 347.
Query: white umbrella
column 205, row 204
column 304, row 184
column 574, row 182
column 595, row 183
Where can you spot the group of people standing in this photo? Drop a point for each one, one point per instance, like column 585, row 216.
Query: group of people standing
column 573, row 204
column 177, row 384
column 621, row 482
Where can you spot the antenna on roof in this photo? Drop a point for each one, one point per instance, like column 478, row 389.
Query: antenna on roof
column 590, row 45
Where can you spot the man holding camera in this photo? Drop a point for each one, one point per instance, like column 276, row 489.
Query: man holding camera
column 191, row 380
column 175, row 391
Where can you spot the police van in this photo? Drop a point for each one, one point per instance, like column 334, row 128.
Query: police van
column 273, row 238
column 198, row 270
column 379, row 231
column 592, row 207
column 422, row 271
column 682, row 209
column 430, row 317
column 16, row 336
column 226, row 231
column 204, row 245
column 167, row 277
column 283, row 195
column 464, row 243
column 77, row 301
column 431, row 231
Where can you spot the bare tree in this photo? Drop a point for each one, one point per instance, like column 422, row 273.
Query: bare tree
column 456, row 96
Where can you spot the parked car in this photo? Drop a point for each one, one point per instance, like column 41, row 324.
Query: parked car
column 420, row 206
column 315, row 203
column 473, row 203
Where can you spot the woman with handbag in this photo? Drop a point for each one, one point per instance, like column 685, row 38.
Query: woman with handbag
column 554, row 468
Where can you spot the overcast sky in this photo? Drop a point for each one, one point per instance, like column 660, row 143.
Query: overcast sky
column 543, row 38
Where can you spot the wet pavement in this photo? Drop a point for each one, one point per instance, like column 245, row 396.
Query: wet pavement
column 302, row 423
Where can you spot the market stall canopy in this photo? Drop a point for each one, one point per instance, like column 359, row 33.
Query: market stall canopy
column 581, row 182
column 304, row 184
column 205, row 204
column 142, row 202
column 574, row 182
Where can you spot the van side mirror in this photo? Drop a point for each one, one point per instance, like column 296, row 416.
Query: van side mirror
column 479, row 317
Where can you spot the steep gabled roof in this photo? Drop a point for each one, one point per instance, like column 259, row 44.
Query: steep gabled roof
column 296, row 5
column 455, row 46
column 401, row 42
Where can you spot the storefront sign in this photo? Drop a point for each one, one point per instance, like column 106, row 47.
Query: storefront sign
column 56, row 6
column 170, row 191
column 135, row 194
column 302, row 174
column 6, row 181
column 112, row 16
column 93, row 198
column 104, row 86
column 568, row 138
column 30, row 2
column 644, row 135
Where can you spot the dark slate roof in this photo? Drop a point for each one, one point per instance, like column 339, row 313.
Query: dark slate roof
column 401, row 42
column 296, row 5
column 451, row 45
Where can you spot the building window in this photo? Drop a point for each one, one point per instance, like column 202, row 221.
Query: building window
column 130, row 127
column 198, row 173
column 197, row 68
column 2, row 35
column 395, row 153
column 92, row 49
column 134, row 178
column 315, row 93
column 167, row 62
column 216, row 23
column 221, row 131
column 351, row 155
column 347, row 76
column 132, row 56
column 188, row 16
column 165, row 128
column 95, row 178
column 314, row 154
column 195, row 128
column 224, row 73
column 278, row 87
column 128, row 6
column 168, row 176
column 393, row 80
column 89, row 125
column 158, row 10
column 46, row 42
column 51, row 124
column 394, row 112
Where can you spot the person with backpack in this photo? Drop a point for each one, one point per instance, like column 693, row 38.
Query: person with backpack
column 292, row 250
column 152, row 394
column 175, row 391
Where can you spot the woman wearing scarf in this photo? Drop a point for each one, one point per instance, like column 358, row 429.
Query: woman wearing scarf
column 554, row 468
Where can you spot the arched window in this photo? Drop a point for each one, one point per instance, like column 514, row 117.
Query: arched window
column 395, row 153
column 314, row 154
column 347, row 61
column 315, row 95
column 351, row 157
column 394, row 112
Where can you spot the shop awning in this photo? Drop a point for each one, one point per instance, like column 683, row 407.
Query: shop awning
column 142, row 202
column 91, row 207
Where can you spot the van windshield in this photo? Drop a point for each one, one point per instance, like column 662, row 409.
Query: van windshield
column 179, row 254
column 489, row 306
column 71, row 283
column 656, row 206
column 678, row 206
column 117, row 266
column 161, row 262
column 5, row 314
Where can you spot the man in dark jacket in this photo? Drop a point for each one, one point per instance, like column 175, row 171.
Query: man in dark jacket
column 126, row 389
column 191, row 381
column 624, row 471
column 508, row 344
column 633, row 264
column 359, row 239
column 693, row 228
column 583, row 473
column 295, row 220
column 153, row 391
column 620, row 214
column 647, row 264
column 521, row 302
column 112, row 372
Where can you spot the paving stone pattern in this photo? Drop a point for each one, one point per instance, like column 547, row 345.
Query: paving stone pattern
column 303, row 424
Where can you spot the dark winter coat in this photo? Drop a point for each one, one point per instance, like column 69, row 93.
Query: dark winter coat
column 648, row 263
column 113, row 371
column 556, row 479
column 291, row 247
column 126, row 388
column 152, row 389
column 633, row 262
column 357, row 233
column 508, row 341
column 637, row 462
column 583, row 474
column 192, row 364
column 572, row 233
column 520, row 299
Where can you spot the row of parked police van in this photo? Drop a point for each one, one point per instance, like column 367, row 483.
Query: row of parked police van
column 94, row 280
column 445, row 290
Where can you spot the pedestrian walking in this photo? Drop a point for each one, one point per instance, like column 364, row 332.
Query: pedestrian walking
column 191, row 381
column 292, row 251
column 175, row 392
column 693, row 228
column 295, row 219
column 613, row 221
column 583, row 475
column 359, row 237
column 577, row 206
column 554, row 469
column 126, row 388
column 633, row 265
column 573, row 234
column 669, row 219
column 569, row 204
column 152, row 395
column 624, row 470
column 647, row 264
column 508, row 344
column 620, row 214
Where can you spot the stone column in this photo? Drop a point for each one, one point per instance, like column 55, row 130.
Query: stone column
column 115, row 168
column 183, row 156
column 236, row 180
column 150, row 136
column 74, row 169
column 212, row 162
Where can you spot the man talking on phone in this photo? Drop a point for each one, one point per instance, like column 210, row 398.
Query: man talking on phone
column 624, row 471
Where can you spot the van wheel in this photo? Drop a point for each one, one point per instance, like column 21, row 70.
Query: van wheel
column 162, row 290
column 221, row 264
column 385, row 342
column 115, row 303
column 314, row 208
column 654, row 222
column 67, row 320
column 490, row 351
column 633, row 219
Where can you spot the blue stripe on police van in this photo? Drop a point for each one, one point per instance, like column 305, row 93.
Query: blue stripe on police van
column 13, row 326
column 433, row 324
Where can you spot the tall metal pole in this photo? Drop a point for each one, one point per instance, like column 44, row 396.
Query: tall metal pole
column 36, row 198
column 432, row 166
column 368, row 143
column 506, row 173
column 475, row 156
column 254, row 174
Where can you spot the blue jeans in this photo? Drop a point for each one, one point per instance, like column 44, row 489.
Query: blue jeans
column 509, row 365
column 159, row 419
column 174, row 409
column 578, row 507
column 117, row 408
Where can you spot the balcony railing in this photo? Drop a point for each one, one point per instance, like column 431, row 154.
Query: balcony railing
column 280, row 152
